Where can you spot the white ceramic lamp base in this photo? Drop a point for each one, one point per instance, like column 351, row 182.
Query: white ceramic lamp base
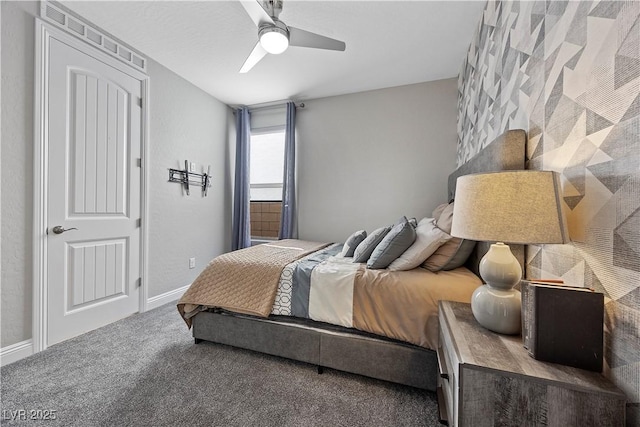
column 496, row 305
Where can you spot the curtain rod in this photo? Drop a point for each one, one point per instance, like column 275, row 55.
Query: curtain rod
column 268, row 105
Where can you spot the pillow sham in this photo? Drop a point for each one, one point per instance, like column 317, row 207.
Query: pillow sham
column 352, row 243
column 445, row 220
column 365, row 249
column 398, row 240
column 438, row 211
column 428, row 239
column 453, row 253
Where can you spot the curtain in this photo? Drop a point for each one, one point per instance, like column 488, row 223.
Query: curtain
column 241, row 227
column 288, row 223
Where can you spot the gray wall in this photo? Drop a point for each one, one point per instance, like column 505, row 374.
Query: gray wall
column 0, row 166
column 186, row 123
column 17, row 169
column 366, row 159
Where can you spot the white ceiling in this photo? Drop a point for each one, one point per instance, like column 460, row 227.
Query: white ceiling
column 389, row 43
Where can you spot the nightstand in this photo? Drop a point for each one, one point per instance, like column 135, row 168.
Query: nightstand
column 488, row 379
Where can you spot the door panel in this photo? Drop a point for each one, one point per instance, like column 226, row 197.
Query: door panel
column 94, row 131
column 99, row 140
column 96, row 272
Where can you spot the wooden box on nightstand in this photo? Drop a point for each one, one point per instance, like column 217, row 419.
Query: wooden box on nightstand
column 488, row 379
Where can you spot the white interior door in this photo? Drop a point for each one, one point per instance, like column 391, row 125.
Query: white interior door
column 94, row 134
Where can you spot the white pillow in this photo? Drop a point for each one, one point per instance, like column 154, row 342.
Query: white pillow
column 428, row 239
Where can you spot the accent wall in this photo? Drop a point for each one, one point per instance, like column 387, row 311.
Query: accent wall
column 569, row 73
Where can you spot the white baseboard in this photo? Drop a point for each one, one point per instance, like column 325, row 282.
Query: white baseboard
column 15, row 352
column 162, row 299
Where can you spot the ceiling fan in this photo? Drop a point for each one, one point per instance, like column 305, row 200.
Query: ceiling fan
column 274, row 36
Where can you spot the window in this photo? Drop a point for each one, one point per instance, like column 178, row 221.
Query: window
column 266, row 170
column 266, row 173
column 267, row 165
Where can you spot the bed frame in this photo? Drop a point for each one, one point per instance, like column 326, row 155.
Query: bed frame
column 350, row 350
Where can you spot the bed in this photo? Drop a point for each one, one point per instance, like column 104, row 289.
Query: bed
column 397, row 347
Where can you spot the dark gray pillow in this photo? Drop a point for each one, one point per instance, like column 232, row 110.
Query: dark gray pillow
column 398, row 240
column 364, row 249
column 352, row 243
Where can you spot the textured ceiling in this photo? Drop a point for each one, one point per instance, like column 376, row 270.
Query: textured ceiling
column 388, row 44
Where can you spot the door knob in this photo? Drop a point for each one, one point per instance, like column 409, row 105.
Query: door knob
column 58, row 229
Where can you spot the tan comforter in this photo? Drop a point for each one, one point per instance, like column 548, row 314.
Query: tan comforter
column 244, row 281
column 397, row 304
column 404, row 304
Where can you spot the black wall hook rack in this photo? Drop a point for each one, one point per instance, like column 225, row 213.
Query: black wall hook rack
column 187, row 178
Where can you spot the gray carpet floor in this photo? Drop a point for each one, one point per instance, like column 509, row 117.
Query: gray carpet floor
column 146, row 371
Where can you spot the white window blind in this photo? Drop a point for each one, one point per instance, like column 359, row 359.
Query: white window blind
column 267, row 165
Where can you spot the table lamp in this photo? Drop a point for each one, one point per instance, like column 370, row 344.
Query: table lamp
column 519, row 207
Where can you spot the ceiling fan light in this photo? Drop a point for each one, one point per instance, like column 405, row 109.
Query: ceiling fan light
column 274, row 41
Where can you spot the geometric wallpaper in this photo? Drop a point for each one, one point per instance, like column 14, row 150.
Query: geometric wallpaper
column 569, row 74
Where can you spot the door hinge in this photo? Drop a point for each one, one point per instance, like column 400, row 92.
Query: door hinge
column 139, row 222
column 139, row 162
column 139, row 102
column 139, row 282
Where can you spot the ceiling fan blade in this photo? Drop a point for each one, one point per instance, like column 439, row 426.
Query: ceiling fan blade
column 255, row 11
column 302, row 38
column 254, row 57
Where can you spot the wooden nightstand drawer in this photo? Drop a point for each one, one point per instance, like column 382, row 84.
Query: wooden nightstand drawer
column 448, row 374
column 445, row 379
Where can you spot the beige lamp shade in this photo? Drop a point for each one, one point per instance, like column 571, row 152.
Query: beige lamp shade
column 521, row 207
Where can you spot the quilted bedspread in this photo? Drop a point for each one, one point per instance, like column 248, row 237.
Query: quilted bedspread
column 246, row 280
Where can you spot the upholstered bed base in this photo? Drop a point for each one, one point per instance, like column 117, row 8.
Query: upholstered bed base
column 322, row 345
column 342, row 349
